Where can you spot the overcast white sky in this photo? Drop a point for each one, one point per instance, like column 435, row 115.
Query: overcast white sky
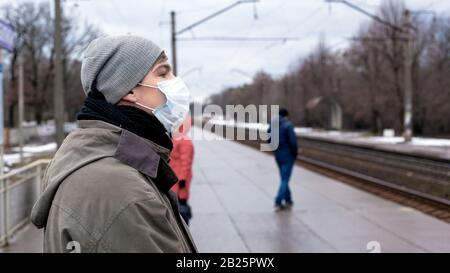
column 215, row 63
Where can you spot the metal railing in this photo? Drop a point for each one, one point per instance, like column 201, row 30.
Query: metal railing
column 20, row 190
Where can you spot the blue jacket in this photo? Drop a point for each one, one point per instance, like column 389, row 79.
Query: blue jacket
column 287, row 147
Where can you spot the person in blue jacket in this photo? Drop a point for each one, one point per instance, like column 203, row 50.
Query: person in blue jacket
column 285, row 156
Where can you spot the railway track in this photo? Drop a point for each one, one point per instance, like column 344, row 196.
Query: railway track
column 421, row 176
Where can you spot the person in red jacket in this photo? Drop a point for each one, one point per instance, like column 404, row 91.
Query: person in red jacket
column 181, row 159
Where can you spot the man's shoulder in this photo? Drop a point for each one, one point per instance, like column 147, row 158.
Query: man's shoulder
column 287, row 124
column 108, row 178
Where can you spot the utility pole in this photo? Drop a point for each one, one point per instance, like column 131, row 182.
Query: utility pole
column 21, row 108
column 174, row 42
column 408, row 104
column 58, row 95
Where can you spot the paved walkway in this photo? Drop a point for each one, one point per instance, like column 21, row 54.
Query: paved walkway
column 27, row 240
column 232, row 201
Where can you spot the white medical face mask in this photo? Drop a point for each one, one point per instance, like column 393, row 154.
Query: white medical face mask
column 173, row 112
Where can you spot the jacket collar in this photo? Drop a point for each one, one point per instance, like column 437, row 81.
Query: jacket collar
column 141, row 154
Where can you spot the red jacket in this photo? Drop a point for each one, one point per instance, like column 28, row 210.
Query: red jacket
column 181, row 159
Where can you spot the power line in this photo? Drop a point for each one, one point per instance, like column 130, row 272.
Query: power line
column 241, row 39
column 307, row 20
column 273, row 44
column 209, row 17
column 322, row 21
column 407, row 63
column 251, row 28
column 198, row 8
column 373, row 16
column 175, row 33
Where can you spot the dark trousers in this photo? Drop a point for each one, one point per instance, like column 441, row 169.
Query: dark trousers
column 284, row 193
column 185, row 211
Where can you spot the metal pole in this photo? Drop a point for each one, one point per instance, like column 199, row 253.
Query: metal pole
column 5, row 212
column 174, row 42
column 38, row 181
column 58, row 96
column 21, row 108
column 2, row 162
column 408, row 107
column 5, row 181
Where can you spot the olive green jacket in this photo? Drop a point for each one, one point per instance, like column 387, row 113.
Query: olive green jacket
column 107, row 190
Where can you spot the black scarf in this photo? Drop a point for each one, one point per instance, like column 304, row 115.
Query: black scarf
column 130, row 118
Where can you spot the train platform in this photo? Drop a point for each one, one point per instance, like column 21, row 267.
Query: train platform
column 232, row 198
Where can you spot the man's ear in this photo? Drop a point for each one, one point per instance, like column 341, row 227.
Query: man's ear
column 130, row 97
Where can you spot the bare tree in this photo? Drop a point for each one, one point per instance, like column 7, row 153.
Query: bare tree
column 366, row 79
column 34, row 43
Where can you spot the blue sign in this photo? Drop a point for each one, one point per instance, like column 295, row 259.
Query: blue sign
column 7, row 36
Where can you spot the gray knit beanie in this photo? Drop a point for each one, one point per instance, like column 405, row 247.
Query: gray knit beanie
column 116, row 64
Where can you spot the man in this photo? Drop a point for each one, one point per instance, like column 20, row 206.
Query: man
column 107, row 187
column 285, row 156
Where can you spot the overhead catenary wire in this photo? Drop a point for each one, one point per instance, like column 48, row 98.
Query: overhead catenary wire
column 241, row 39
column 272, row 42
column 251, row 28
column 373, row 16
column 321, row 20
column 209, row 17
column 275, row 43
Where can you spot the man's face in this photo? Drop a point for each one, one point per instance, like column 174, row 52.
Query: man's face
column 150, row 97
